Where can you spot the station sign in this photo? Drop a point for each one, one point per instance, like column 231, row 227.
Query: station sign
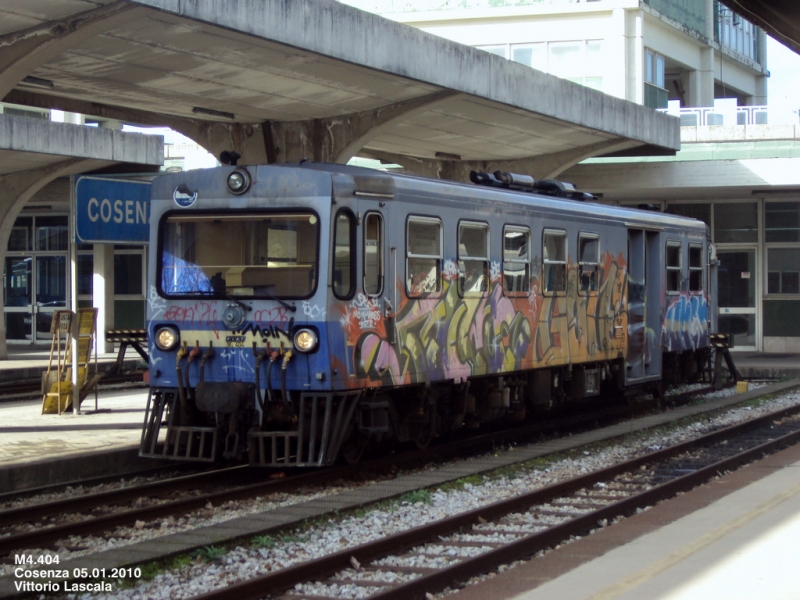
column 112, row 211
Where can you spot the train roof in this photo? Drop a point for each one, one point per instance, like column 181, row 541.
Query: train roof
column 385, row 183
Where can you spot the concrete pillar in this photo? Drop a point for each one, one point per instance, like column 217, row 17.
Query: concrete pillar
column 703, row 95
column 634, row 56
column 103, row 293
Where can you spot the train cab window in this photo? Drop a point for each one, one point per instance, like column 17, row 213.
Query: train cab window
column 423, row 256
column 695, row 268
column 473, row 258
column 373, row 254
column 673, row 267
column 516, row 260
column 554, row 259
column 343, row 255
column 588, row 262
column 249, row 255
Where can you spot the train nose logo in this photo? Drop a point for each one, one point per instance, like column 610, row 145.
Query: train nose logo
column 184, row 196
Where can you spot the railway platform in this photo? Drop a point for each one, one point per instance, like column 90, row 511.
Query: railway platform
column 733, row 539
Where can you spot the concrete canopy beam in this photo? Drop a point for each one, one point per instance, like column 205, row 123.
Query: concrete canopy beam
column 322, row 80
column 35, row 137
column 23, row 51
column 338, row 139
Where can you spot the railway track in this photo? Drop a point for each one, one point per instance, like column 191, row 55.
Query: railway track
column 408, row 565
column 220, row 532
column 107, row 510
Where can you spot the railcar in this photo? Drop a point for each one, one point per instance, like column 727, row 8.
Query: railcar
column 299, row 313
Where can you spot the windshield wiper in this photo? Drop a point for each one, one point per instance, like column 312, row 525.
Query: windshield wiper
column 262, row 289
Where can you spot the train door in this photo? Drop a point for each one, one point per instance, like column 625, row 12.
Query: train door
column 643, row 360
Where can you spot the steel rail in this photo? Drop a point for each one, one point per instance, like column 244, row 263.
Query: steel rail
column 154, row 489
column 284, row 579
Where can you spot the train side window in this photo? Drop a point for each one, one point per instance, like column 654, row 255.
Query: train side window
column 673, row 267
column 423, row 256
column 516, row 260
column 589, row 262
column 373, row 254
column 473, row 258
column 343, row 255
column 554, row 260
column 695, row 268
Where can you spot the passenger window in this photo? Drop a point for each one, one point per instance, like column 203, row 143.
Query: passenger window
column 588, row 262
column 423, row 256
column 373, row 254
column 554, row 259
column 516, row 260
column 343, row 255
column 695, row 268
column 473, row 258
column 673, row 267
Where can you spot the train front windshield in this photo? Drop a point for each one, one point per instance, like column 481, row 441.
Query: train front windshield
column 248, row 255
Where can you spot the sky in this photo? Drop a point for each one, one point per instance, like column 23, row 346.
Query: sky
column 783, row 86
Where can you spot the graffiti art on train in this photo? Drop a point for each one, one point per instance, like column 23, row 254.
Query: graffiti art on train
column 448, row 335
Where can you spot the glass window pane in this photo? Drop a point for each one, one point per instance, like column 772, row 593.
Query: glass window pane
column 516, row 261
column 783, row 268
column 498, row 50
column 473, row 257
column 423, row 238
column 373, row 254
column 20, row 238
column 51, row 280
column 253, row 255
column 343, row 255
column 423, row 256
column 782, row 221
column 85, row 274
column 52, row 233
column 554, row 255
column 701, row 212
column 128, row 274
column 17, row 281
column 736, row 223
column 534, row 55
column 566, row 59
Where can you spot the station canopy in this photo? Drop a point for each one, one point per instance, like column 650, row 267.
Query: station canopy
column 311, row 71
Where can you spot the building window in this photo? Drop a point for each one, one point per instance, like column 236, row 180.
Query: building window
column 782, row 222
column 579, row 61
column 554, row 261
column 736, row 33
column 473, row 258
column 655, row 95
column 423, row 256
column 673, row 267
column 516, row 260
column 783, row 270
column 343, row 255
column 373, row 254
column 736, row 223
column 695, row 268
column 589, row 262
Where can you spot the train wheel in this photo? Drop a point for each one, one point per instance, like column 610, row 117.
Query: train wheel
column 425, row 436
column 354, row 447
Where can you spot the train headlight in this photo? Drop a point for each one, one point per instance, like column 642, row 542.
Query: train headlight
column 167, row 338
column 238, row 181
column 305, row 340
